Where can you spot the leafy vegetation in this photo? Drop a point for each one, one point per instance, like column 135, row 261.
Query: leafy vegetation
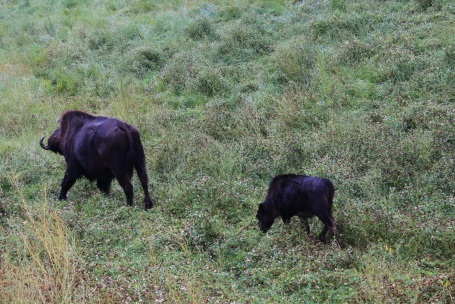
column 226, row 95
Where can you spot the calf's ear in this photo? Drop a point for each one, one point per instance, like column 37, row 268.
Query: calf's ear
column 261, row 207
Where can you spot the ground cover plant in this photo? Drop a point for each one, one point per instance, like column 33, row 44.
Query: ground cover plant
column 226, row 95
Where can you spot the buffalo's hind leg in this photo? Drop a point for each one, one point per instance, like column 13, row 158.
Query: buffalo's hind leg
column 127, row 188
column 140, row 167
column 142, row 174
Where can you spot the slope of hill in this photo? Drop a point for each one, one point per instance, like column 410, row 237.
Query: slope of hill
column 227, row 95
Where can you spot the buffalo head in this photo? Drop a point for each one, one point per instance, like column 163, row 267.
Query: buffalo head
column 53, row 143
column 265, row 218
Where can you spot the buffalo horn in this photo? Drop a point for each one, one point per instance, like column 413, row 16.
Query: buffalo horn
column 42, row 145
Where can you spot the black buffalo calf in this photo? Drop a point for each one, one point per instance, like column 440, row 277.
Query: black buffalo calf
column 99, row 148
column 300, row 195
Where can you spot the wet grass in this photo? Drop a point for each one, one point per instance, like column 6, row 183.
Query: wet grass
column 227, row 95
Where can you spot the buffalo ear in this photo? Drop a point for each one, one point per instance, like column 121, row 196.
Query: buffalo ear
column 261, row 207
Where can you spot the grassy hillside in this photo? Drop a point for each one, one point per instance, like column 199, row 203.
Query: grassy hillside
column 227, row 94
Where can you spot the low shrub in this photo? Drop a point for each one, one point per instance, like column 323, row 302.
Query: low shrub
column 201, row 28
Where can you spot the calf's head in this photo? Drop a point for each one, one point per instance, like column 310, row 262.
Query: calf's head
column 53, row 143
column 265, row 217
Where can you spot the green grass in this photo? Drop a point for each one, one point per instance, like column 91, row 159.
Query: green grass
column 227, row 95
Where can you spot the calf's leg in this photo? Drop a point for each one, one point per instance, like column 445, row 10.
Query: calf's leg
column 329, row 225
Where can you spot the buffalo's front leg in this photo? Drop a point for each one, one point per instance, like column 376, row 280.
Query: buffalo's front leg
column 323, row 234
column 104, row 185
column 286, row 219
column 67, row 182
column 304, row 220
column 104, row 182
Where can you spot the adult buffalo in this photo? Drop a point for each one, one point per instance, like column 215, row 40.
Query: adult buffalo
column 289, row 195
column 99, row 148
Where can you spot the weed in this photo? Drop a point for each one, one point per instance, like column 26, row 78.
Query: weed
column 41, row 261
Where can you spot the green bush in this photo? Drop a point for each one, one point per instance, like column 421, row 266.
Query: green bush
column 145, row 60
column 294, row 62
column 201, row 29
column 245, row 41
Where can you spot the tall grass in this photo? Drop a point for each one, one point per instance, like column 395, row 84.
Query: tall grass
column 40, row 262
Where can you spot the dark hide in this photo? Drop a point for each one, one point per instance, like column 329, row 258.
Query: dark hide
column 99, row 148
column 300, row 195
